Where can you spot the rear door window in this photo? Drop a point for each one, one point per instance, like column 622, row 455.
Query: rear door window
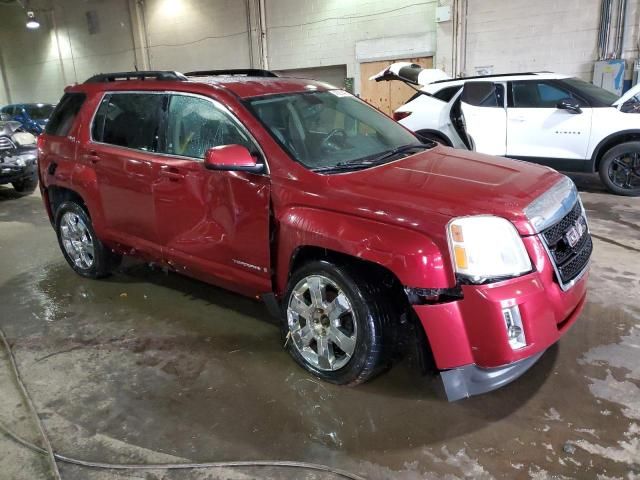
column 484, row 94
column 131, row 120
column 65, row 114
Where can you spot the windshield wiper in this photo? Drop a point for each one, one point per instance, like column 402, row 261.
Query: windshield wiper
column 404, row 148
column 371, row 161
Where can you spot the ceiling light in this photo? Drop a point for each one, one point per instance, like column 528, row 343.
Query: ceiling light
column 32, row 23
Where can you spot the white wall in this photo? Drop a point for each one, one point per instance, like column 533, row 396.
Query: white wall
column 188, row 35
column 40, row 63
column 313, row 33
column 520, row 35
column 181, row 35
column 200, row 34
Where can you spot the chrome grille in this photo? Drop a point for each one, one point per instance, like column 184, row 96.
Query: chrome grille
column 6, row 144
column 570, row 258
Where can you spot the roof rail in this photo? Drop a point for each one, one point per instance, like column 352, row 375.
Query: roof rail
column 238, row 72
column 141, row 75
column 475, row 77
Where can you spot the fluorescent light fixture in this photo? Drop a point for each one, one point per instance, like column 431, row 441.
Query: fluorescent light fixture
column 32, row 23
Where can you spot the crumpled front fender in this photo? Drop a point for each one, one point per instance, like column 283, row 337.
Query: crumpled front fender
column 412, row 256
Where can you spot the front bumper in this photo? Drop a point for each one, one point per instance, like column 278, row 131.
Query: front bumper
column 468, row 337
column 472, row 380
column 17, row 168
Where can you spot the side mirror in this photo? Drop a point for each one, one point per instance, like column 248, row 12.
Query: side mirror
column 569, row 104
column 235, row 158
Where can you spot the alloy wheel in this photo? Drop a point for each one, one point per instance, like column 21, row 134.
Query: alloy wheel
column 322, row 323
column 624, row 171
column 77, row 240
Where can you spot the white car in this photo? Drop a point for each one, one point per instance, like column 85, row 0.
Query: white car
column 546, row 118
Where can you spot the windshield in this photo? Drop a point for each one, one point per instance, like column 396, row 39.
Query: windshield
column 329, row 129
column 591, row 91
column 39, row 112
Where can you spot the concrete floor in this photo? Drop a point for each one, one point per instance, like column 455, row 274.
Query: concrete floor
column 147, row 366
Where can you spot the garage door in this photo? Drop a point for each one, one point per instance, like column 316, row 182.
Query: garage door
column 334, row 74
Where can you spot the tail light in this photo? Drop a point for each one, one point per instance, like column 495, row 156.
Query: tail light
column 40, row 143
column 397, row 116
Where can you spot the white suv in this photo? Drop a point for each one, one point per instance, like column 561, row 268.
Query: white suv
column 545, row 118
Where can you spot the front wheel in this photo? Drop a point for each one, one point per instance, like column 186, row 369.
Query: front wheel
column 80, row 246
column 27, row 185
column 334, row 320
column 620, row 169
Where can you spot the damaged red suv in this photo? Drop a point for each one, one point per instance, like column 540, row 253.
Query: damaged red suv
column 340, row 219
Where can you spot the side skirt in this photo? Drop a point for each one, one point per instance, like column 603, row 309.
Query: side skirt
column 564, row 164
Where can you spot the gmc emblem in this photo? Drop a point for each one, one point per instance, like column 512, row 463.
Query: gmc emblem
column 575, row 232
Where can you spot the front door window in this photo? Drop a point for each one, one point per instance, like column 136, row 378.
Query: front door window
column 195, row 125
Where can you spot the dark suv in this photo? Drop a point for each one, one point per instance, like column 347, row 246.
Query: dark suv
column 18, row 157
column 347, row 226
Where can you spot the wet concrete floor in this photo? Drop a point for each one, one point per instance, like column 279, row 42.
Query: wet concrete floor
column 154, row 367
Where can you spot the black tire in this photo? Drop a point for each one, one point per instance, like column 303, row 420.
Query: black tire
column 103, row 260
column 616, row 163
column 372, row 314
column 27, row 185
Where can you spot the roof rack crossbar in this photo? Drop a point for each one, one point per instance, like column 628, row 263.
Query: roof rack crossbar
column 140, row 75
column 238, row 72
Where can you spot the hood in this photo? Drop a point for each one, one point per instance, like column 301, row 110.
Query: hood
column 448, row 183
column 410, row 73
column 7, row 128
column 632, row 92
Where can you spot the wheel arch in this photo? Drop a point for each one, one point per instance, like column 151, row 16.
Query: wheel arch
column 308, row 253
column 73, row 181
column 410, row 257
column 609, row 142
column 57, row 195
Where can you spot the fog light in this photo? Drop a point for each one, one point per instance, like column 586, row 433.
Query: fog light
column 515, row 331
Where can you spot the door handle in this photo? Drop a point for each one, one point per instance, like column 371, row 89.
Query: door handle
column 93, row 156
column 171, row 173
column 518, row 119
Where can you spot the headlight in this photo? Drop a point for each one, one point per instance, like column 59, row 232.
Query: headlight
column 484, row 247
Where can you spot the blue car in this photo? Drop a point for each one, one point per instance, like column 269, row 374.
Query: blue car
column 32, row 116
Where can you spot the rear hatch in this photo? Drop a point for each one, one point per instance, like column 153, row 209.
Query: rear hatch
column 411, row 73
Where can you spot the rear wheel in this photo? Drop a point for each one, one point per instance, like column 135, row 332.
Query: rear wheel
column 620, row 169
column 80, row 246
column 334, row 320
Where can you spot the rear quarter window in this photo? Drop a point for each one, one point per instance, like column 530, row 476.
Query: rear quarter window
column 65, row 114
column 446, row 94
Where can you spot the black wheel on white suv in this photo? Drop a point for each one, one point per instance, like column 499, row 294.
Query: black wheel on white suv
column 333, row 322
column 82, row 249
column 620, row 169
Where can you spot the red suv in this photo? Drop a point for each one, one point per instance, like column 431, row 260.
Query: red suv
column 347, row 226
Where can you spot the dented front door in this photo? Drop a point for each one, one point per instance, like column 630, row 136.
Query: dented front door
column 213, row 225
